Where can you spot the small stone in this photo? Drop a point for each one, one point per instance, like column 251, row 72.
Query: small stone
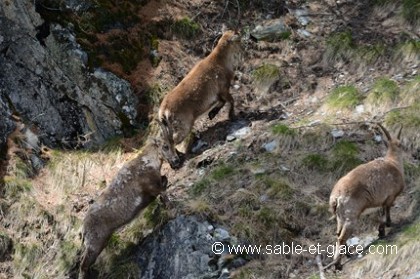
column 263, row 198
column 221, row 234
column 241, row 132
column 360, row 108
column 271, row 146
column 353, row 241
column 258, row 171
column 377, row 138
column 230, row 138
column 236, row 86
column 284, row 168
column 337, row 133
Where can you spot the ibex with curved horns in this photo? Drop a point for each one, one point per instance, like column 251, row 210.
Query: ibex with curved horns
column 374, row 184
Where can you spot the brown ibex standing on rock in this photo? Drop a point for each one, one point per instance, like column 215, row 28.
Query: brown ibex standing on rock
column 136, row 185
column 204, row 89
column 374, row 184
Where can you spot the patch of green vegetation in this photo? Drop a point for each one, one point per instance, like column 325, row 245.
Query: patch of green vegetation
column 340, row 45
column 411, row 171
column 266, row 216
column 198, row 187
column 408, row 50
column 265, row 72
column 154, row 94
column 371, row 53
column 5, row 245
column 344, row 97
column 68, row 253
column 186, row 28
column 384, row 91
column 411, row 11
column 25, row 257
column 155, row 214
column 345, row 156
column 281, row 129
column 278, row 187
column 222, row 171
column 14, row 186
column 124, row 269
column 408, row 117
column 412, row 231
column 317, row 162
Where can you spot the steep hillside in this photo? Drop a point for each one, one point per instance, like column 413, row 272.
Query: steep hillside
column 315, row 77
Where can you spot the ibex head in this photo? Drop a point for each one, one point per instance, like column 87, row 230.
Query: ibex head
column 167, row 146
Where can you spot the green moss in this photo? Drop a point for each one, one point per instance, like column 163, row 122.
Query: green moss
column 317, row 162
column 340, row 45
column 68, row 254
column 124, row 269
column 154, row 94
column 412, row 231
column 371, row 53
column 411, row 11
column 281, row 129
column 410, row 50
column 222, row 171
column 198, row 187
column 14, row 186
column 266, row 216
column 265, row 72
column 155, row 214
column 344, row 97
column 344, row 157
column 384, row 91
column 26, row 256
column 185, row 28
column 278, row 187
column 408, row 117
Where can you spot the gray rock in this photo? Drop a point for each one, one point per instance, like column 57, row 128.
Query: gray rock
column 6, row 123
column 271, row 146
column 337, row 133
column 242, row 132
column 182, row 249
column 221, row 234
column 230, row 138
column 270, row 30
column 46, row 82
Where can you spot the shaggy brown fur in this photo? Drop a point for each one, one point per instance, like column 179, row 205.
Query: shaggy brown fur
column 205, row 88
column 374, row 184
column 136, row 185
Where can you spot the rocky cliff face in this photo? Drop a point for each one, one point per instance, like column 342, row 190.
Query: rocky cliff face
column 185, row 244
column 45, row 81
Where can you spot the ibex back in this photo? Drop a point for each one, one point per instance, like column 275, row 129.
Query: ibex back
column 204, row 89
column 136, row 185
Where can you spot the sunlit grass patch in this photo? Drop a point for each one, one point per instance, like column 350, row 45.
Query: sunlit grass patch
column 344, row 97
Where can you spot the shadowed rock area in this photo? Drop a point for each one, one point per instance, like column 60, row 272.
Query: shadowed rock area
column 45, row 81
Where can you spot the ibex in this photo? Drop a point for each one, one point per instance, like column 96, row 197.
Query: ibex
column 374, row 184
column 136, row 185
column 204, row 89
